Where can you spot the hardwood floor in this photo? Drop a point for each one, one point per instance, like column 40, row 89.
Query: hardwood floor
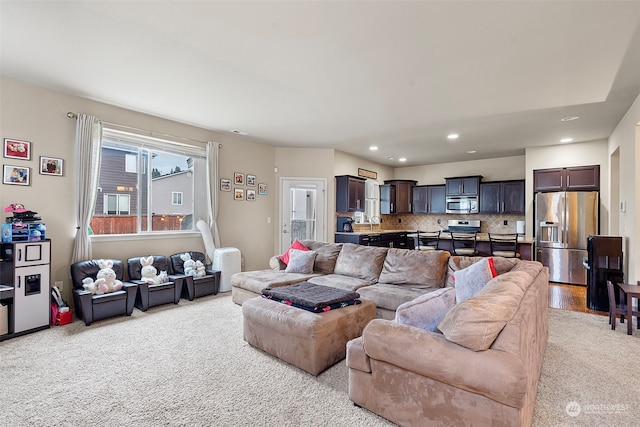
column 570, row 297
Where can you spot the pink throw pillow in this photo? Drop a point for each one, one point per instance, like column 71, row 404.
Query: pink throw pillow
column 295, row 245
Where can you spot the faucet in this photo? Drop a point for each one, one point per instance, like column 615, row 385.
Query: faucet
column 377, row 218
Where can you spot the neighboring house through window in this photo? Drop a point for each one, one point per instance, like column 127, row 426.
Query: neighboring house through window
column 132, row 201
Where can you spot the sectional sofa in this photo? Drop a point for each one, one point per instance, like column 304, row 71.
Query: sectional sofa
column 479, row 367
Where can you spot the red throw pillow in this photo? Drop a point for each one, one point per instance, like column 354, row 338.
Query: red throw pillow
column 295, row 245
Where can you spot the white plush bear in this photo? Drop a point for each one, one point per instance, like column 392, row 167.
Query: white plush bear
column 163, row 277
column 189, row 265
column 106, row 281
column 149, row 272
column 89, row 285
column 200, row 270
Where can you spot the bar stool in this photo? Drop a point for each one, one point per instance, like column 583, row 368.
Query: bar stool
column 504, row 245
column 464, row 243
column 427, row 240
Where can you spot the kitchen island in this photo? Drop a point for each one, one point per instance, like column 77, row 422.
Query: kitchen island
column 402, row 239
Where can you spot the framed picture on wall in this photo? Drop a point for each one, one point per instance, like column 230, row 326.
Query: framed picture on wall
column 251, row 180
column 15, row 149
column 238, row 194
column 225, row 184
column 262, row 189
column 238, row 178
column 16, row 175
column 50, row 166
column 251, row 195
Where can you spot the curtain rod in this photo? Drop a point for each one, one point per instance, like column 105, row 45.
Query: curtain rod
column 72, row 115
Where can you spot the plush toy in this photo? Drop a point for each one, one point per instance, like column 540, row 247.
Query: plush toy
column 89, row 285
column 149, row 272
column 163, row 277
column 189, row 265
column 107, row 278
column 200, row 270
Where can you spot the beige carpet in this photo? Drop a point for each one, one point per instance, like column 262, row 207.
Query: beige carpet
column 188, row 365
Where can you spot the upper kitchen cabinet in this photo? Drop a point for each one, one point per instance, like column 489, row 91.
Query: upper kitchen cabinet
column 463, row 186
column 429, row 199
column 567, row 179
column 350, row 193
column 502, row 197
column 396, row 196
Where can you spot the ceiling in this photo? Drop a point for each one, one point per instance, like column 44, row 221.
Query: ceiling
column 344, row 74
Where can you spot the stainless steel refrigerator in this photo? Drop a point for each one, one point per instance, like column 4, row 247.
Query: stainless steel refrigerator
column 563, row 221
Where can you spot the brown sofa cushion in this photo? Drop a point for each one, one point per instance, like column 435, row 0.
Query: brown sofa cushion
column 363, row 262
column 422, row 268
column 327, row 254
column 476, row 322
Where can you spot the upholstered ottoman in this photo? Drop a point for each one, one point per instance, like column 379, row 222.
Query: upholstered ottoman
column 311, row 341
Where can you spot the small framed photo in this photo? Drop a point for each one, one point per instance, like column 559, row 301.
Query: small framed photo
column 238, row 178
column 251, row 180
column 16, row 175
column 15, row 149
column 225, row 184
column 238, row 194
column 262, row 189
column 50, row 166
column 251, row 195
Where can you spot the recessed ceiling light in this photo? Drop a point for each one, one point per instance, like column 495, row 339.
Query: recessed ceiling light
column 238, row 132
column 471, row 151
column 402, row 159
column 452, row 136
column 569, row 118
column 373, row 148
column 566, row 140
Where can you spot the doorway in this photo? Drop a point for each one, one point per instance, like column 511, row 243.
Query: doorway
column 303, row 204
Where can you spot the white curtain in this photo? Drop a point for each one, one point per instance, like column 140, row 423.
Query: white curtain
column 213, row 148
column 87, row 162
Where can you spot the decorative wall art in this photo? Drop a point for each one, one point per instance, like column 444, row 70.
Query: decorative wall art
column 262, row 189
column 251, row 195
column 251, row 180
column 238, row 178
column 225, row 184
column 238, row 194
column 15, row 149
column 16, row 175
column 51, row 166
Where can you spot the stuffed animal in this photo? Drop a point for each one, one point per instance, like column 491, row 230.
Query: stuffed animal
column 163, row 277
column 200, row 270
column 189, row 265
column 107, row 278
column 92, row 286
column 149, row 272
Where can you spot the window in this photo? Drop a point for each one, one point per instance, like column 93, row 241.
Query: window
column 133, row 201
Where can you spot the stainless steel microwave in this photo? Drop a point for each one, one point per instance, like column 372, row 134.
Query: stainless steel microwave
column 462, row 205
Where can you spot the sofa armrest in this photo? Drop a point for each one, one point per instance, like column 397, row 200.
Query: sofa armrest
column 495, row 374
column 276, row 263
column 356, row 356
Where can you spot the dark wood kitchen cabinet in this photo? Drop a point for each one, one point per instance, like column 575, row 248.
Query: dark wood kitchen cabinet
column 429, row 199
column 567, row 179
column 502, row 197
column 463, row 186
column 396, row 196
column 349, row 193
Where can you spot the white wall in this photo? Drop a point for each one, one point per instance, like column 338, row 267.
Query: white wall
column 625, row 143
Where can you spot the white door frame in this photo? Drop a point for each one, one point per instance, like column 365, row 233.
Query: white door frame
column 321, row 202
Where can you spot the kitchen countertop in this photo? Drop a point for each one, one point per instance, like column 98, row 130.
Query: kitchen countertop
column 481, row 237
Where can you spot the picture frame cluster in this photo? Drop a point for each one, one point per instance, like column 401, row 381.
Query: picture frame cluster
column 240, row 180
column 21, row 175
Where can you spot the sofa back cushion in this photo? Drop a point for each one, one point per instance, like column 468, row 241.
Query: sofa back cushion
column 408, row 267
column 476, row 322
column 456, row 263
column 362, row 262
column 326, row 255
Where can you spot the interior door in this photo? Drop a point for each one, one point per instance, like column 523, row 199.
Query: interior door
column 302, row 210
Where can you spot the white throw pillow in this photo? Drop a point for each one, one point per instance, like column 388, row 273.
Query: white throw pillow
column 427, row 310
column 300, row 261
column 470, row 280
